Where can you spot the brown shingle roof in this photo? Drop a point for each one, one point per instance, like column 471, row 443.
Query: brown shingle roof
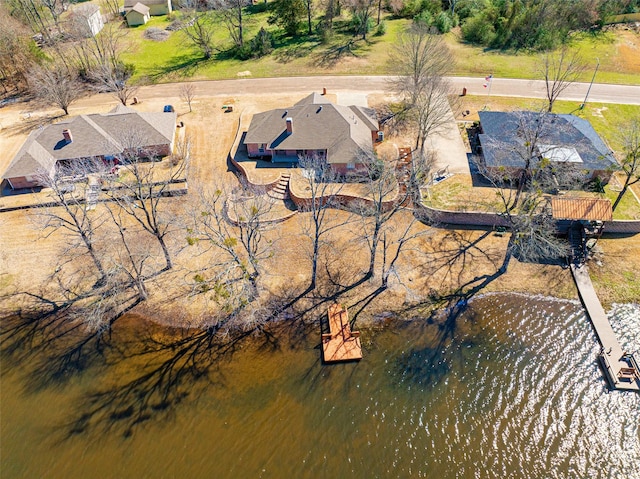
column 317, row 125
column 591, row 209
column 93, row 135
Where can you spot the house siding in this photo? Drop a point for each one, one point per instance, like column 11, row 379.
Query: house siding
column 22, row 182
column 159, row 9
column 135, row 19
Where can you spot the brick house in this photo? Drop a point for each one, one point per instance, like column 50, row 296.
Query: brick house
column 314, row 127
column 97, row 136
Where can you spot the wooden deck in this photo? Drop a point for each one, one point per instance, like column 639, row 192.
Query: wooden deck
column 620, row 367
column 340, row 344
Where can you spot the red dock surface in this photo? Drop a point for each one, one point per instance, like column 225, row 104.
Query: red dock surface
column 340, row 344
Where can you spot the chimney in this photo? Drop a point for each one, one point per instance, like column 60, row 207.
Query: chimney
column 67, row 135
column 289, row 121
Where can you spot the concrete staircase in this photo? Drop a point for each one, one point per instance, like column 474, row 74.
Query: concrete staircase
column 281, row 190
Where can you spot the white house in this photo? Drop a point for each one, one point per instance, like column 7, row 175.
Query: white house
column 87, row 19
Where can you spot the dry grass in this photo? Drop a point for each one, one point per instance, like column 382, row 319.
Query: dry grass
column 443, row 261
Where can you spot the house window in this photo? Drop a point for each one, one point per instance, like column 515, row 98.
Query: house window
column 261, row 148
column 351, row 166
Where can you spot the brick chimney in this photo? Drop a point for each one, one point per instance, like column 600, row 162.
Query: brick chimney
column 67, row 135
column 289, row 121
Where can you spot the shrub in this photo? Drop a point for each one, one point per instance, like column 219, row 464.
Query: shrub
column 478, row 30
column 260, row 46
column 424, row 18
column 359, row 25
column 382, row 29
column 444, row 22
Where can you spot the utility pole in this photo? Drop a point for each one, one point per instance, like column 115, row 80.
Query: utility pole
column 590, row 84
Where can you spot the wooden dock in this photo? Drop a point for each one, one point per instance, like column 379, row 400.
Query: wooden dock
column 340, row 344
column 620, row 367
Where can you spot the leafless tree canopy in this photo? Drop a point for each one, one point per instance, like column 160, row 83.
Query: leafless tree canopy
column 233, row 17
column 114, row 79
column 200, row 33
column 141, row 194
column 422, row 59
column 230, row 229
column 188, row 93
column 322, row 190
column 630, row 164
column 559, row 71
column 524, row 191
column 55, row 85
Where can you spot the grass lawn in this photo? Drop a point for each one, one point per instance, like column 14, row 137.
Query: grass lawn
column 175, row 59
column 607, row 119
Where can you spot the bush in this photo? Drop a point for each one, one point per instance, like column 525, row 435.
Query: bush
column 478, row 30
column 382, row 29
column 444, row 22
column 424, row 18
column 260, row 46
column 359, row 25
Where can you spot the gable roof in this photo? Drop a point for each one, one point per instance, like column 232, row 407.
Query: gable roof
column 318, row 124
column 129, row 4
column 86, row 9
column 562, row 138
column 139, row 8
column 100, row 134
column 591, row 209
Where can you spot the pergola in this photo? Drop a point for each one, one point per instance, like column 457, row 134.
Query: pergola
column 581, row 209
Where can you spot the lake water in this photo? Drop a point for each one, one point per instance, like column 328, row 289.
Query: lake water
column 509, row 389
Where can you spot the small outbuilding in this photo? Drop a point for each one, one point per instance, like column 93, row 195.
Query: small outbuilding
column 87, row 19
column 156, row 7
column 138, row 15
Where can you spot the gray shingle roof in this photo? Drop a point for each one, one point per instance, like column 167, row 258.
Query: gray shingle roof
column 317, row 125
column 86, row 9
column 139, row 8
column 501, row 134
column 93, row 135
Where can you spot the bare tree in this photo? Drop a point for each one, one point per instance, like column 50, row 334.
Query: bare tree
column 234, row 227
column 231, row 12
column 362, row 11
column 73, row 214
column 16, row 56
column 630, row 164
column 188, row 93
column 54, row 85
column 131, row 255
column 431, row 112
column 322, row 188
column 114, row 79
column 420, row 58
column 559, row 71
column 524, row 190
column 199, row 31
column 384, row 199
column 111, row 7
column 55, row 8
column 140, row 194
column 308, row 4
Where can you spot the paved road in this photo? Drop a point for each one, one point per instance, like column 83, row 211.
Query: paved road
column 600, row 92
